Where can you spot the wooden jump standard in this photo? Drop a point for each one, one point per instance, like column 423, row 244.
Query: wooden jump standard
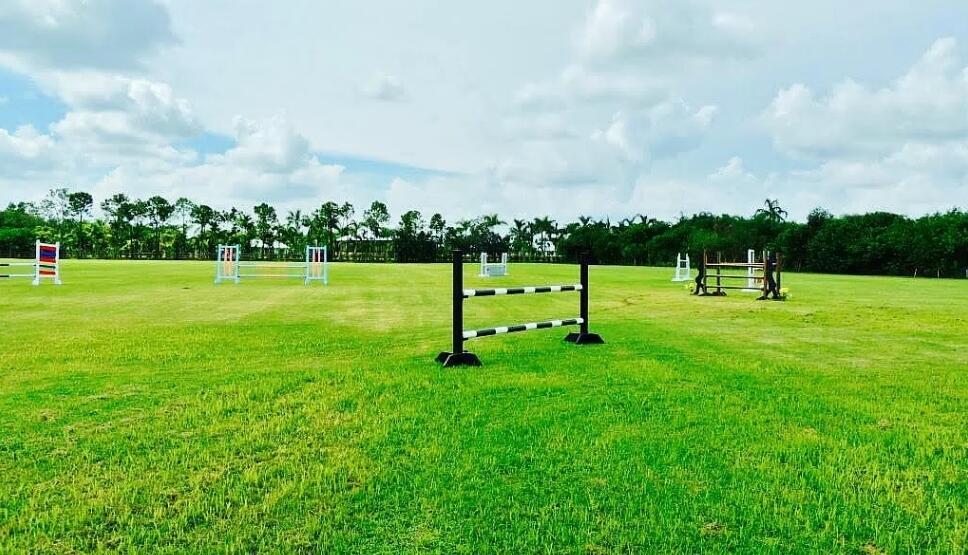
column 767, row 269
column 459, row 357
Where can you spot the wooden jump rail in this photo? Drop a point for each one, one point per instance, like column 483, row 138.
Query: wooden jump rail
column 460, row 357
column 703, row 280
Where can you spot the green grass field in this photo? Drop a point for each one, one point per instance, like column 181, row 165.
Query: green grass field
column 144, row 408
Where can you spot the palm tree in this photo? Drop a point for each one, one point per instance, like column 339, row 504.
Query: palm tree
column 490, row 221
column 772, row 212
column 79, row 204
column 159, row 212
column 329, row 214
column 266, row 223
column 375, row 218
column 118, row 207
column 519, row 235
column 183, row 210
column 294, row 220
column 545, row 228
column 244, row 225
column 346, row 227
column 206, row 218
column 437, row 225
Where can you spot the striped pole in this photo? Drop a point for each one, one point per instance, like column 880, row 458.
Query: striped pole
column 471, row 334
column 468, row 293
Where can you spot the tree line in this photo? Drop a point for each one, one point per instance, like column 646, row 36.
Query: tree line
column 881, row 243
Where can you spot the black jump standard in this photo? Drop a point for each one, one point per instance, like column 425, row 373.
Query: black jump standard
column 460, row 357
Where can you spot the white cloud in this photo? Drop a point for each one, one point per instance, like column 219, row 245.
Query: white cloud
column 23, row 146
column 383, row 87
column 940, row 164
column 900, row 147
column 613, row 111
column 662, row 131
column 731, row 172
column 114, row 114
column 604, row 107
column 578, row 85
column 90, row 34
column 540, row 126
column 113, row 118
column 928, row 103
column 622, row 31
column 271, row 145
column 473, row 196
column 270, row 161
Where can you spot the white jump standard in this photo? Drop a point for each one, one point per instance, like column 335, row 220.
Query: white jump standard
column 46, row 264
column 227, row 263
column 317, row 265
column 494, row 269
column 682, row 268
column 228, row 266
column 459, row 357
column 754, row 272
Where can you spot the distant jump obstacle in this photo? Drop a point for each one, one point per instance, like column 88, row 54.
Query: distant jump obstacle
column 459, row 357
column 763, row 276
column 683, row 272
column 494, row 269
column 753, row 271
column 228, row 266
column 46, row 264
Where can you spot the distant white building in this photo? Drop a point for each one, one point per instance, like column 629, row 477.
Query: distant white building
column 276, row 245
column 544, row 245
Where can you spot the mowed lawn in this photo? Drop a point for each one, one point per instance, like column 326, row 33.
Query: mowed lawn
column 146, row 409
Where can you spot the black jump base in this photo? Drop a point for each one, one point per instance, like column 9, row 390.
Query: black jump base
column 579, row 338
column 458, row 359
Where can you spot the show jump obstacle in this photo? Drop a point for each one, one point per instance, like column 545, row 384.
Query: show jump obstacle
column 494, row 269
column 682, row 268
column 459, row 357
column 46, row 264
column 228, row 266
column 763, row 276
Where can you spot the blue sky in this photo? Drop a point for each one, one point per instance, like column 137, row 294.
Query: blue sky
column 550, row 107
column 23, row 103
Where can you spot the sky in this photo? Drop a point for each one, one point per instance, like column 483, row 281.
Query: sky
column 606, row 108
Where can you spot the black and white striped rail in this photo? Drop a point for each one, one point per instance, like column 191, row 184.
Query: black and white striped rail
column 468, row 293
column 460, row 357
column 471, row 334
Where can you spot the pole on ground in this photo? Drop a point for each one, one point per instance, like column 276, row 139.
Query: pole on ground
column 458, row 356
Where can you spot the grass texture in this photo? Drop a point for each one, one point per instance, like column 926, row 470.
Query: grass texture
column 146, row 409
